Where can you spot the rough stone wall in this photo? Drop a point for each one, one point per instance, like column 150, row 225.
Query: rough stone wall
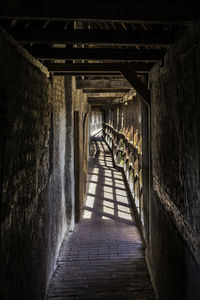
column 31, row 167
column 61, row 182
column 175, row 147
column 26, row 96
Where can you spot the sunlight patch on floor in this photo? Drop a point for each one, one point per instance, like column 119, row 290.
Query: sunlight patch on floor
column 123, row 208
column 94, row 178
column 108, row 210
column 108, row 195
column 108, row 189
column 92, row 189
column 105, row 218
column 122, row 199
column 95, row 171
column 119, row 182
column 90, row 201
column 124, row 215
column 120, row 192
column 87, row 214
column 108, row 173
column 108, row 204
column 118, row 176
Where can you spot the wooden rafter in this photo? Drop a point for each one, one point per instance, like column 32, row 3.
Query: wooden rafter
column 101, row 99
column 130, row 11
column 103, row 84
column 98, row 67
column 103, row 91
column 106, row 95
column 128, row 70
column 137, row 84
column 47, row 53
column 94, row 37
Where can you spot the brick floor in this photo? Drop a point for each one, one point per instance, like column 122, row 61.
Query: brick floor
column 104, row 256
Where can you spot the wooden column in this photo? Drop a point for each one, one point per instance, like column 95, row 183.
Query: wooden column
column 77, row 166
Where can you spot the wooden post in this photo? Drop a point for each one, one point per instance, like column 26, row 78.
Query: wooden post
column 77, row 166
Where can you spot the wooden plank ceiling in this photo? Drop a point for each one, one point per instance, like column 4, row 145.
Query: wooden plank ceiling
column 103, row 43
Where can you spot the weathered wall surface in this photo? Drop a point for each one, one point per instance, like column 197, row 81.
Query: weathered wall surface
column 126, row 117
column 81, row 110
column 33, row 138
column 61, row 180
column 175, row 207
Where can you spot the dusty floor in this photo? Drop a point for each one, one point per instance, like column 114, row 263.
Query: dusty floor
column 104, row 257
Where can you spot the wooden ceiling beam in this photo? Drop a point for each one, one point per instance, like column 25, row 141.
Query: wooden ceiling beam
column 104, row 91
column 114, row 11
column 106, row 95
column 128, row 96
column 102, row 84
column 101, row 99
column 46, row 53
column 82, row 73
column 94, row 37
column 82, row 68
column 137, row 84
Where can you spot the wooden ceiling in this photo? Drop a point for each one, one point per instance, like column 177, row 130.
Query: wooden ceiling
column 99, row 42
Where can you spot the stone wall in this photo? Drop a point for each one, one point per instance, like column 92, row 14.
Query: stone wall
column 175, row 146
column 34, row 212
column 61, row 180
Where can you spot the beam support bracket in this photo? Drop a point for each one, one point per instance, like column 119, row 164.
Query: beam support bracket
column 137, row 84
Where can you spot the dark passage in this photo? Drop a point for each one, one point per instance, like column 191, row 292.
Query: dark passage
column 82, row 220
column 104, row 257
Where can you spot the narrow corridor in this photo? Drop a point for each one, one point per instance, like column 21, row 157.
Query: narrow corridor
column 104, row 257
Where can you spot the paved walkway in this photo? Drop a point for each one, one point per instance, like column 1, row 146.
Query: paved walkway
column 104, row 256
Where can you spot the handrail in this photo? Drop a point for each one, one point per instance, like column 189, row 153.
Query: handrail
column 130, row 158
column 131, row 147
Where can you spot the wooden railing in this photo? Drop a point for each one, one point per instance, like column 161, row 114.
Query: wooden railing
column 128, row 155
